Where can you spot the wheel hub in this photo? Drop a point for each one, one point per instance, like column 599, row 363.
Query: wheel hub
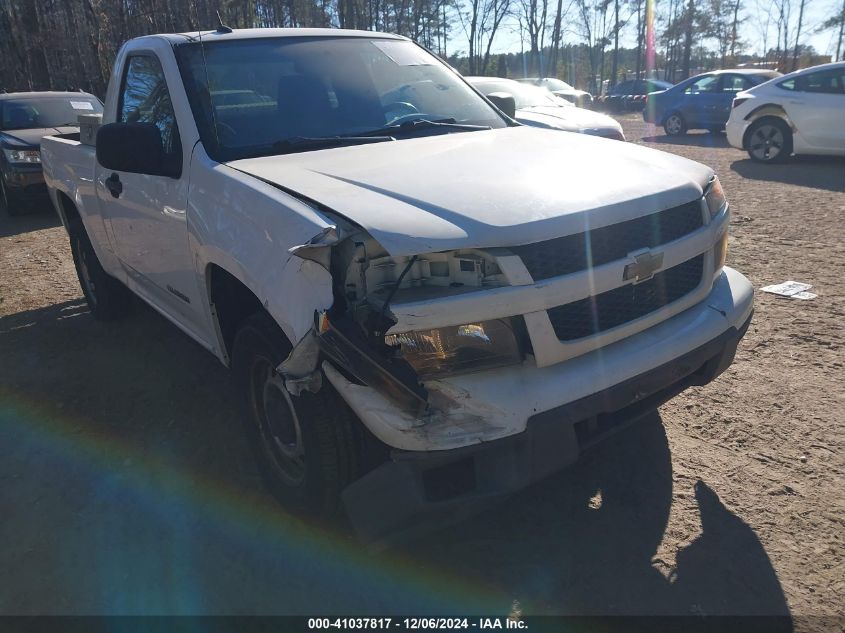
column 767, row 142
column 281, row 427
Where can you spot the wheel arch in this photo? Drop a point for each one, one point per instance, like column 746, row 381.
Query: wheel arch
column 769, row 110
column 67, row 209
column 230, row 300
column 290, row 293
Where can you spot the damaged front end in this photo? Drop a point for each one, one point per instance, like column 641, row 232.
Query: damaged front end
column 389, row 370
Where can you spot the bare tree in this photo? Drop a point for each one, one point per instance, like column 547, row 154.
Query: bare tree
column 798, row 36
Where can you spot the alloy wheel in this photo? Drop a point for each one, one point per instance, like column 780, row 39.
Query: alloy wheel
column 766, row 143
column 674, row 125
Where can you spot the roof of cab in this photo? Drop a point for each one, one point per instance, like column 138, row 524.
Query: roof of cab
column 5, row 96
column 251, row 34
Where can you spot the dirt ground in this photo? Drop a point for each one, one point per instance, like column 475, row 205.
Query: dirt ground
column 126, row 485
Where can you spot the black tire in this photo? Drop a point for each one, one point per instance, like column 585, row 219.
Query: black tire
column 675, row 124
column 7, row 204
column 305, row 445
column 769, row 140
column 107, row 298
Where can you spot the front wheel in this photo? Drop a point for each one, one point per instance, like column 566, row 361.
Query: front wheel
column 107, row 298
column 769, row 141
column 675, row 125
column 6, row 205
column 304, row 444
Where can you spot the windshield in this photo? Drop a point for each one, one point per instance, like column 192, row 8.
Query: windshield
column 556, row 84
column 524, row 95
column 32, row 113
column 261, row 92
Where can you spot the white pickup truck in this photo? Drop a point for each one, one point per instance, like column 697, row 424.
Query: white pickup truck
column 426, row 304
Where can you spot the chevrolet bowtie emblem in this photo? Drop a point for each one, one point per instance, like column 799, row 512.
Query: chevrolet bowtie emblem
column 644, row 266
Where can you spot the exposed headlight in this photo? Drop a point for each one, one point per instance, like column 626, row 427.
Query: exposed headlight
column 28, row 156
column 715, row 198
column 459, row 348
column 720, row 252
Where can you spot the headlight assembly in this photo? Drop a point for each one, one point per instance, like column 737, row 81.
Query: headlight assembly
column 22, row 156
column 715, row 198
column 720, row 252
column 459, row 348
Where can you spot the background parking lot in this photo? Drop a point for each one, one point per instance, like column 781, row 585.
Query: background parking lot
column 127, row 486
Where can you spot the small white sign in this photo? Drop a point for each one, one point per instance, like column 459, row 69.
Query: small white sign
column 81, row 105
column 804, row 295
column 794, row 289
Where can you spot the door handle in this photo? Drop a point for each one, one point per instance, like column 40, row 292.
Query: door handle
column 114, row 185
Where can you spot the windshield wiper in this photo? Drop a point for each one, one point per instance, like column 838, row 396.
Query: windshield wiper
column 426, row 124
column 305, row 143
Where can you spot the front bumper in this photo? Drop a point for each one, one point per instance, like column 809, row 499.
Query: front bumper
column 566, row 408
column 417, row 491
column 24, row 182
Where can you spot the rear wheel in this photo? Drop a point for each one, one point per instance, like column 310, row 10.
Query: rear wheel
column 769, row 141
column 304, row 444
column 675, row 125
column 107, row 298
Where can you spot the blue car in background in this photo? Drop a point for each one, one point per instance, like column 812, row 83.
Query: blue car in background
column 703, row 101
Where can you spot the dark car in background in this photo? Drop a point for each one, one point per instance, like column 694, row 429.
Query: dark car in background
column 26, row 117
column 703, row 101
column 630, row 95
column 561, row 89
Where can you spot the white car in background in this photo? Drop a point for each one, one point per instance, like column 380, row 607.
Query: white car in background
column 538, row 107
column 801, row 113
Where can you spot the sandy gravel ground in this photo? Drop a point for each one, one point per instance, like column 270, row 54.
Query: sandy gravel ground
column 126, row 485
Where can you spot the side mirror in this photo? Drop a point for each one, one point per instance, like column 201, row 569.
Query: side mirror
column 134, row 148
column 504, row 101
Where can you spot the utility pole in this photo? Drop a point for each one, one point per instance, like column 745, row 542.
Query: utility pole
column 615, row 67
column 797, row 35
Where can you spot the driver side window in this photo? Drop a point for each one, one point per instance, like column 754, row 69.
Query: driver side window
column 710, row 83
column 145, row 99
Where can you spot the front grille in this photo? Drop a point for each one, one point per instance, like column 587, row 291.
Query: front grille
column 573, row 253
column 618, row 306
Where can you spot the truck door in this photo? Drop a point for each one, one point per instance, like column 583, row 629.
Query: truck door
column 148, row 212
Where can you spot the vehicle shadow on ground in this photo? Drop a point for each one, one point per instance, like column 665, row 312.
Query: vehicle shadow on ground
column 36, row 218
column 697, row 139
column 583, row 542
column 816, row 172
column 132, row 490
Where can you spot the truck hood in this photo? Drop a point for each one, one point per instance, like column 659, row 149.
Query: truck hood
column 566, row 118
column 484, row 189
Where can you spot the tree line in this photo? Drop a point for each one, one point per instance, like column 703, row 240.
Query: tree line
column 70, row 44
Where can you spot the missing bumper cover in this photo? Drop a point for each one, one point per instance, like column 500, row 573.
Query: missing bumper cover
column 343, row 342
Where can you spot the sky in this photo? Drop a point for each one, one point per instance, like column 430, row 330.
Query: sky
column 815, row 12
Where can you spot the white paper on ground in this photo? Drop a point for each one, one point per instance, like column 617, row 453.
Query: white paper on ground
column 803, row 295
column 787, row 288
